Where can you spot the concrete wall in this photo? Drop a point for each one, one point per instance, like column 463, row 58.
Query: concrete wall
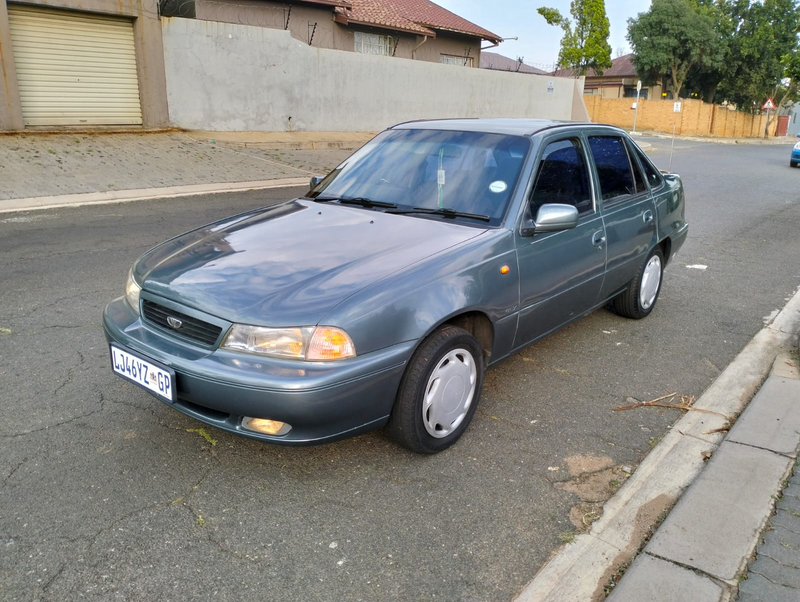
column 696, row 118
column 230, row 77
column 149, row 57
column 328, row 33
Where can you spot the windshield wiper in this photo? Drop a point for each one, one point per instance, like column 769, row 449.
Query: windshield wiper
column 445, row 211
column 359, row 200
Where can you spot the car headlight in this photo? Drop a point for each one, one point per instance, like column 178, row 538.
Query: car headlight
column 132, row 291
column 797, row 146
column 320, row 343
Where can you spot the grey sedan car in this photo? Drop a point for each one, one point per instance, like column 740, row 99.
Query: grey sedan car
column 380, row 297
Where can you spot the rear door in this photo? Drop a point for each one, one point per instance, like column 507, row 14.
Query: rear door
column 627, row 208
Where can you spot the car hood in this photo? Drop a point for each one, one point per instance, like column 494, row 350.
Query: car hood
column 290, row 264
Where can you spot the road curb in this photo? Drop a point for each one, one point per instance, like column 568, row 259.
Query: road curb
column 579, row 571
column 141, row 194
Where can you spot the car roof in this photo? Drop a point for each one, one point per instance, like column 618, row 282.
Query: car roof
column 512, row 127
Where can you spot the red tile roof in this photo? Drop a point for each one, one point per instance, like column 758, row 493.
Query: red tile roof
column 417, row 16
column 620, row 67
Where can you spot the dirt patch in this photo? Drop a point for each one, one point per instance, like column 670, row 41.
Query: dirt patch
column 584, row 514
column 595, row 480
column 595, row 486
column 578, row 465
column 647, row 521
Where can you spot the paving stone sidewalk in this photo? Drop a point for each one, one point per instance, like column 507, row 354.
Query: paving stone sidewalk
column 37, row 165
column 774, row 576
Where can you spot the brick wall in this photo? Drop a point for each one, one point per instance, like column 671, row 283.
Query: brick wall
column 695, row 119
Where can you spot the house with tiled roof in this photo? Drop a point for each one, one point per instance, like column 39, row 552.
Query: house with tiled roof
column 618, row 81
column 410, row 29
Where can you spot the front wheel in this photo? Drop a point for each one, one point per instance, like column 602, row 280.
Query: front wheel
column 641, row 295
column 792, row 163
column 439, row 392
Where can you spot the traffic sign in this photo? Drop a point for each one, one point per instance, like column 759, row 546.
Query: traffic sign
column 769, row 105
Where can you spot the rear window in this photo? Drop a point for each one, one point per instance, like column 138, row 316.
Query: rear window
column 613, row 166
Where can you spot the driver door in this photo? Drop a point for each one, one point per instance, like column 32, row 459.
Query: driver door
column 561, row 273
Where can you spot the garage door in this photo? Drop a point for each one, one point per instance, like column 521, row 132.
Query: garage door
column 74, row 68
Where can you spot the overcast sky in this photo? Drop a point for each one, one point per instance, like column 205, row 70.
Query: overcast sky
column 538, row 42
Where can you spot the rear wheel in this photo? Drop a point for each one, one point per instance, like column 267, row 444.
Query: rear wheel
column 641, row 295
column 439, row 392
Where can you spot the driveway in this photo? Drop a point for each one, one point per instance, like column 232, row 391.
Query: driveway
column 107, row 494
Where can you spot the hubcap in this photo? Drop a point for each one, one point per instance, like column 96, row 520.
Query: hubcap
column 449, row 393
column 651, row 279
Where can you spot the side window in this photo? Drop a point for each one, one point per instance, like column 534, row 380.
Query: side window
column 613, row 166
column 562, row 177
column 650, row 172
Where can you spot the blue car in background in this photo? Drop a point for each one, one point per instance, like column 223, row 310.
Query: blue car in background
column 795, row 154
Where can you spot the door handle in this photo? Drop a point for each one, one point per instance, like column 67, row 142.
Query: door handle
column 647, row 216
column 599, row 238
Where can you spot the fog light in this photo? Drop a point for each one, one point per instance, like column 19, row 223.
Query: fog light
column 268, row 427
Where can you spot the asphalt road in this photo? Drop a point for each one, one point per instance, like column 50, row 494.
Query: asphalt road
column 108, row 494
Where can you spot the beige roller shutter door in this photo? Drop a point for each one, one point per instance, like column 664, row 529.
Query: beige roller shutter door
column 74, row 68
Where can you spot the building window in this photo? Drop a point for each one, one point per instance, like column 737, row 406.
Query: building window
column 461, row 61
column 370, row 43
column 630, row 92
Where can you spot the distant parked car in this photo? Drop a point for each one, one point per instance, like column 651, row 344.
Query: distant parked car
column 381, row 296
column 795, row 159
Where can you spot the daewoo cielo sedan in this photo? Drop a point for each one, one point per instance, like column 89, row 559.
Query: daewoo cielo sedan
column 380, row 297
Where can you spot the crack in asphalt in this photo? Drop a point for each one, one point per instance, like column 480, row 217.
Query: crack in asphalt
column 70, row 373
column 13, row 470
column 58, row 424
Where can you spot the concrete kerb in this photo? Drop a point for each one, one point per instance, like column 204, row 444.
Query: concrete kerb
column 580, row 570
column 753, row 141
column 142, row 194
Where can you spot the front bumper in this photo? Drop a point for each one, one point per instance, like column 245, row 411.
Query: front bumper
column 321, row 401
column 796, row 155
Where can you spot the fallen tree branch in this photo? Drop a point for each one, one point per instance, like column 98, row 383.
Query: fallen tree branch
column 685, row 405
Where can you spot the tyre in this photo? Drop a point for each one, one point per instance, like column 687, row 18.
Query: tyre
column 640, row 297
column 439, row 392
column 792, row 163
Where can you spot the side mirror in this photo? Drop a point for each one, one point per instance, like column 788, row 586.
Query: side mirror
column 798, row 135
column 552, row 217
column 315, row 180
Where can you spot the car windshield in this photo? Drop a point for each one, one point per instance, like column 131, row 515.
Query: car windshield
column 461, row 172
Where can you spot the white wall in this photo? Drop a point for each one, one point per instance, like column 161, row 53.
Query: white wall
column 230, row 77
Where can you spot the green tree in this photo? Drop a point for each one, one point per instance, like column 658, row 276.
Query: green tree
column 672, row 38
column 585, row 43
column 763, row 34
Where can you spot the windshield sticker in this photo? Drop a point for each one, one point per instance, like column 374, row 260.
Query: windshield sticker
column 498, row 186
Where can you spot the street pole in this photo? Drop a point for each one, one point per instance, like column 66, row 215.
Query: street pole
column 671, row 150
column 636, row 112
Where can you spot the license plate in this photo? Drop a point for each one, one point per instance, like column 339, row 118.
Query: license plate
column 145, row 373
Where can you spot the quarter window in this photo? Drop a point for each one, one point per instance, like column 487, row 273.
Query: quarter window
column 637, row 173
column 613, row 166
column 562, row 177
column 650, row 172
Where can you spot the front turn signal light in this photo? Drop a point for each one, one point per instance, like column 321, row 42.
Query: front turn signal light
column 329, row 343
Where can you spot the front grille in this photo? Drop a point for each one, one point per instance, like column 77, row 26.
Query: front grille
column 190, row 327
